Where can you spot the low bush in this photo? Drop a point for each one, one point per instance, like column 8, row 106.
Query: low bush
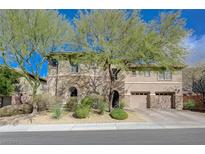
column 45, row 101
column 12, row 110
column 57, row 111
column 122, row 104
column 71, row 104
column 190, row 105
column 97, row 100
column 82, row 111
column 119, row 114
column 87, row 101
column 101, row 107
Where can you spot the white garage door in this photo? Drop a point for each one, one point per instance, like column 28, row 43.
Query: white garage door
column 165, row 100
column 139, row 100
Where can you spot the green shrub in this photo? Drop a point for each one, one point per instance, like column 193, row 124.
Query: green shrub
column 101, row 107
column 82, row 111
column 12, row 110
column 56, row 111
column 96, row 100
column 45, row 101
column 71, row 104
column 122, row 104
column 190, row 105
column 119, row 114
column 87, row 101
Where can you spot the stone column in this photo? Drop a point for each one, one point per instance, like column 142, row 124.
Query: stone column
column 178, row 101
column 152, row 100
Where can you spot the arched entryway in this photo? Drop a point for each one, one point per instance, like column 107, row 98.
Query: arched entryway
column 115, row 99
column 73, row 92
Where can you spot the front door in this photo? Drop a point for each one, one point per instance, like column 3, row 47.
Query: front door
column 115, row 99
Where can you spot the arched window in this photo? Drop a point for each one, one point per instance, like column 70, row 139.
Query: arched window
column 73, row 92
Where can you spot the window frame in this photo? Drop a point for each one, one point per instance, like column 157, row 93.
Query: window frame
column 164, row 74
column 149, row 74
column 168, row 79
column 114, row 75
column 76, row 68
column 133, row 73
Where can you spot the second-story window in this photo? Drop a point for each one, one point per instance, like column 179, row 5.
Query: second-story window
column 134, row 73
column 74, row 68
column 147, row 73
column 53, row 62
column 141, row 73
column 93, row 66
column 114, row 73
column 165, row 75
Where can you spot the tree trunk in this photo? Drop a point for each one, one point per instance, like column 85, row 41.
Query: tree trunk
column 110, row 97
column 110, row 88
column 56, row 90
column 34, row 103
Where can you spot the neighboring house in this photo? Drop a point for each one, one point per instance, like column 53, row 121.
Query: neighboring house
column 192, row 88
column 22, row 92
column 140, row 90
column 5, row 100
column 187, row 84
column 24, row 87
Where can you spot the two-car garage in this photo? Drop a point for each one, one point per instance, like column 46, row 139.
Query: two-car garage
column 142, row 100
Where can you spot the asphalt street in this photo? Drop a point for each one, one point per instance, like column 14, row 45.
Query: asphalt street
column 114, row 137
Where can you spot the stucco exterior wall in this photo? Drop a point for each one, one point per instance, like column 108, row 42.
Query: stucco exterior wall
column 152, row 84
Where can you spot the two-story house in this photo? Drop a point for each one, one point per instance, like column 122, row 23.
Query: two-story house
column 140, row 89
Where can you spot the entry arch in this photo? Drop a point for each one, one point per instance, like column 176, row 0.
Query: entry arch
column 115, row 99
column 73, row 92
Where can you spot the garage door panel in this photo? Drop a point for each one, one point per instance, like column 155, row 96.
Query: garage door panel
column 138, row 101
column 164, row 100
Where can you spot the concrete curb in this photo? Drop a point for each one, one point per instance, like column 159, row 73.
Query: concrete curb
column 94, row 127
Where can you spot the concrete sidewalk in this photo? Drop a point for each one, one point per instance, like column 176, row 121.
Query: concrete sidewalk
column 96, row 126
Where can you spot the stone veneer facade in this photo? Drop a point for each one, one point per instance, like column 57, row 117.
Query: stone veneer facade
column 88, row 80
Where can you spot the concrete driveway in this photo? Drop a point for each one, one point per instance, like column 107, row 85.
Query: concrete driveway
column 172, row 117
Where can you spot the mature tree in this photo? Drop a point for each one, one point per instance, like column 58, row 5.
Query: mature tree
column 26, row 36
column 117, row 38
column 8, row 79
column 194, row 79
